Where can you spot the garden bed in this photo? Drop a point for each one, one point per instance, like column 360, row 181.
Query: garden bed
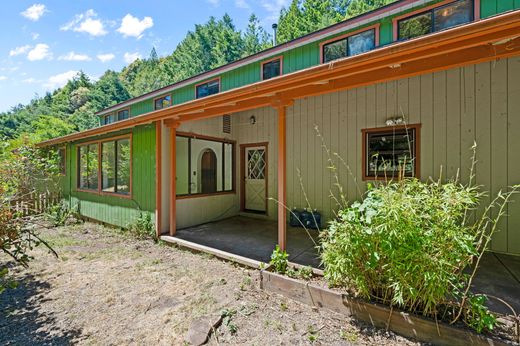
column 408, row 325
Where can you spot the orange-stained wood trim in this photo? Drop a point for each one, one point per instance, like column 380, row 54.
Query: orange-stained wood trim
column 279, row 57
column 365, row 132
column 204, row 137
column 208, row 81
column 243, row 163
column 282, row 179
column 158, row 177
column 395, row 20
column 99, row 143
column 173, row 181
column 374, row 27
column 421, row 53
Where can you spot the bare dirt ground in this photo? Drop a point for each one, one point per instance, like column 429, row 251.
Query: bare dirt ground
column 107, row 288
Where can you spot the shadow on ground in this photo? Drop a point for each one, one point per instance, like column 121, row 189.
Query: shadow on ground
column 23, row 323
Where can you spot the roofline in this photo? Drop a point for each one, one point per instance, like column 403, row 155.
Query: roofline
column 354, row 22
column 496, row 29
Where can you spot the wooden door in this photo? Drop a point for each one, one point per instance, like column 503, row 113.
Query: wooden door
column 255, row 179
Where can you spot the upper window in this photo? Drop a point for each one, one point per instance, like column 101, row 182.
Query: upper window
column 109, row 119
column 208, row 88
column 163, row 102
column 390, row 152
column 437, row 19
column 272, row 69
column 204, row 166
column 122, row 115
column 348, row 46
column 88, row 167
column 107, row 170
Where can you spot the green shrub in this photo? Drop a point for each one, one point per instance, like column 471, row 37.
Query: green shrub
column 279, row 260
column 407, row 243
column 143, row 227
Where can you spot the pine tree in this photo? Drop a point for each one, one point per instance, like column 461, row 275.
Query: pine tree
column 255, row 38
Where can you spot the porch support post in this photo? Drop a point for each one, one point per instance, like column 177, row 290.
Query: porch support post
column 173, row 178
column 282, row 179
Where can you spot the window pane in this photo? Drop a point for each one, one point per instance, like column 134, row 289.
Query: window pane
column 109, row 119
column 416, row 26
column 391, row 153
column 122, row 115
column 123, row 166
column 82, row 167
column 61, row 158
column 454, row 14
column 163, row 102
column 271, row 69
column 92, row 166
column 228, row 169
column 362, row 42
column 208, row 89
column 206, row 166
column 335, row 50
column 183, row 171
column 108, row 166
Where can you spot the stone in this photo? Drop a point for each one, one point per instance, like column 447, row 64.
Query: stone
column 201, row 328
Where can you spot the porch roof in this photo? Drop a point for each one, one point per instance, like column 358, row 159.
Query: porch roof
column 484, row 40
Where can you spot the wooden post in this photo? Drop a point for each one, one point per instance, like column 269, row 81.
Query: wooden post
column 158, row 177
column 282, row 179
column 173, row 180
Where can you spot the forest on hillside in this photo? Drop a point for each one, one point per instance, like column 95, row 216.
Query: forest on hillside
column 209, row 45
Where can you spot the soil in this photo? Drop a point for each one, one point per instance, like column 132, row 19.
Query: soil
column 109, row 288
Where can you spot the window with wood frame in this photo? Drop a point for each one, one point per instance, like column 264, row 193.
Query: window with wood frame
column 109, row 119
column 205, row 165
column 105, row 166
column 272, row 68
column 123, row 114
column 62, row 156
column 391, row 152
column 436, row 19
column 348, row 46
column 163, row 102
column 208, row 88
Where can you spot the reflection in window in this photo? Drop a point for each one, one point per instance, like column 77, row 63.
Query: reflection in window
column 204, row 166
column 163, row 102
column 271, row 69
column 349, row 46
column 115, row 166
column 109, row 119
column 437, row 19
column 108, row 164
column 61, row 161
column 88, row 167
column 122, row 115
column 208, row 88
column 391, row 153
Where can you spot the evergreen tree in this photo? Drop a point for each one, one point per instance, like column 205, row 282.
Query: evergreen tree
column 255, row 37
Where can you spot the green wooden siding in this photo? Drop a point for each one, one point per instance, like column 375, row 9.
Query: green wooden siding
column 306, row 56
column 115, row 210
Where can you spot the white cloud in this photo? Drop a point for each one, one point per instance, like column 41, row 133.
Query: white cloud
column 3, row 78
column 131, row 57
column 39, row 52
column 132, row 26
column 35, row 35
column 59, row 80
column 242, row 4
column 87, row 23
column 214, row 3
column 71, row 56
column 29, row 80
column 34, row 12
column 273, row 7
column 19, row 50
column 105, row 57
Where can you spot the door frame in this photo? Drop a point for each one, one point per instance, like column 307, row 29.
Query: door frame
column 243, row 148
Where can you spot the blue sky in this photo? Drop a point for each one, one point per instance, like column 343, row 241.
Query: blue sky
column 45, row 42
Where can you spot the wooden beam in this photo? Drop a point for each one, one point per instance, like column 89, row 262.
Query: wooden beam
column 173, row 180
column 158, row 177
column 282, row 179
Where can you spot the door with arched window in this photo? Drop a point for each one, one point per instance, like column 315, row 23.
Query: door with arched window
column 209, row 171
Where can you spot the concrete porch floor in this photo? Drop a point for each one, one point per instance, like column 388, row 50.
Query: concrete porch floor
column 498, row 276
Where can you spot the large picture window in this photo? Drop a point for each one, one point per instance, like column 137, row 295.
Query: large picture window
column 105, row 166
column 205, row 166
column 206, row 89
column 272, row 68
column 391, row 152
column 436, row 19
column 348, row 46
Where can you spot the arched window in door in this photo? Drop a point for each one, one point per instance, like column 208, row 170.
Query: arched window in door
column 208, row 171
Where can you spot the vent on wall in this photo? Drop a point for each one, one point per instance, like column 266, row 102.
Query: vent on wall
column 226, row 123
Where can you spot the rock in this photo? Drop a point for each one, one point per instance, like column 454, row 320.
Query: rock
column 201, row 328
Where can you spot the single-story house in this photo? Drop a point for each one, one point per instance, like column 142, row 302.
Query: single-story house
column 406, row 88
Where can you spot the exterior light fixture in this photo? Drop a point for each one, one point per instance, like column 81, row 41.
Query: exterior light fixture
column 252, row 120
